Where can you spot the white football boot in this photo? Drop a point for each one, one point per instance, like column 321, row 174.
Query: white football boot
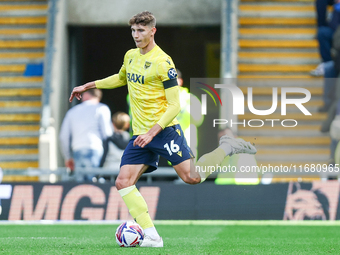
column 149, row 242
column 238, row 145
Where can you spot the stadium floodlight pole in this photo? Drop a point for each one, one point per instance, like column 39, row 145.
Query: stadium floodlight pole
column 228, row 56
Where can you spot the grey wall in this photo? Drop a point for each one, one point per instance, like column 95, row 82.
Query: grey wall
column 169, row 12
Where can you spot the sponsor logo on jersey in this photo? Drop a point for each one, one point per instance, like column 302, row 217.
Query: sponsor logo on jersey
column 130, row 61
column 147, row 64
column 136, row 78
column 168, row 61
column 172, row 74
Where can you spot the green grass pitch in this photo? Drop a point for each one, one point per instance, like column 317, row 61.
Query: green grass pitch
column 212, row 237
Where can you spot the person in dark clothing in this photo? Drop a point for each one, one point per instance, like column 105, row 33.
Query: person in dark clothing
column 321, row 12
column 325, row 31
column 115, row 144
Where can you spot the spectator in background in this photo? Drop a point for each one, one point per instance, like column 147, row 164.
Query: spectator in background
column 82, row 138
column 114, row 145
column 330, row 75
column 321, row 12
column 325, row 31
column 333, row 111
column 331, row 72
column 332, row 93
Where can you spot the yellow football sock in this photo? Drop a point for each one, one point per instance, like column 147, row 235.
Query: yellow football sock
column 209, row 162
column 137, row 206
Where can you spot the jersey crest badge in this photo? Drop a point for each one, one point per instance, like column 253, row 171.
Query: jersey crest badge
column 179, row 153
column 172, row 74
column 147, row 64
column 179, row 132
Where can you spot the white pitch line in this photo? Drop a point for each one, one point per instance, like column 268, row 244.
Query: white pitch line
column 37, row 237
column 248, row 223
column 183, row 222
column 60, row 222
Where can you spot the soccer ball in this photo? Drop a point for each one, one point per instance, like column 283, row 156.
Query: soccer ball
column 129, row 234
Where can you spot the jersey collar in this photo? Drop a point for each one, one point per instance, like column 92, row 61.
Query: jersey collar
column 153, row 49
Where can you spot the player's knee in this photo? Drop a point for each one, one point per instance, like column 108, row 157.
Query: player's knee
column 122, row 183
column 190, row 180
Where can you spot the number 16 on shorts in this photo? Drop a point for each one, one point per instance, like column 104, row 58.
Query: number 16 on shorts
column 173, row 148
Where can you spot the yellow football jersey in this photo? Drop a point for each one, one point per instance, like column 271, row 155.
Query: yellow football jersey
column 147, row 77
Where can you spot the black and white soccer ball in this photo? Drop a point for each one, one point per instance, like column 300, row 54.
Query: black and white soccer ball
column 129, row 234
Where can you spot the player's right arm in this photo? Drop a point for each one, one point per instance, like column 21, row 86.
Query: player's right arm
column 77, row 91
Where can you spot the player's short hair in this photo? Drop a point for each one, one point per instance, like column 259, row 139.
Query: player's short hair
column 121, row 120
column 95, row 93
column 144, row 18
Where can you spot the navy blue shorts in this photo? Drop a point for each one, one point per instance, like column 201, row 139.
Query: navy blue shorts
column 169, row 143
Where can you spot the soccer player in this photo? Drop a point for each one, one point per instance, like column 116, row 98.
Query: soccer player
column 150, row 75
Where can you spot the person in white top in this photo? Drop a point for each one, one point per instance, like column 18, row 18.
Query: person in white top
column 83, row 131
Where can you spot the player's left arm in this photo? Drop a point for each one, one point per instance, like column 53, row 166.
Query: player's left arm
column 167, row 74
column 174, row 106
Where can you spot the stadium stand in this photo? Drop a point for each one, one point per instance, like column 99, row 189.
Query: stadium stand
column 277, row 41
column 22, row 46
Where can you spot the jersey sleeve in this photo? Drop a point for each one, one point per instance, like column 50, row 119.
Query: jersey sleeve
column 166, row 72
column 174, row 107
column 110, row 82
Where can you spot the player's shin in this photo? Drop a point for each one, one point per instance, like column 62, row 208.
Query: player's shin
column 209, row 162
column 138, row 209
